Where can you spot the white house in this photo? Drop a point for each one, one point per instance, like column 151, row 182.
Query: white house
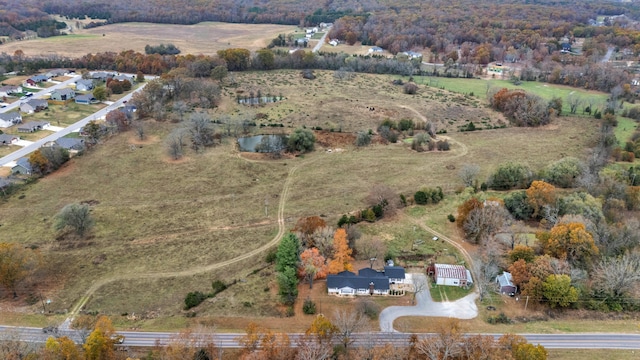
column 367, row 282
column 9, row 90
column 333, row 42
column 375, row 49
column 452, row 275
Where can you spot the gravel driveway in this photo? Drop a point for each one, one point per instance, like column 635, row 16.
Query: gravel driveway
column 464, row 308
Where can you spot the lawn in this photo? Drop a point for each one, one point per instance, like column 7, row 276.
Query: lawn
column 480, row 87
column 625, row 129
column 155, row 216
column 448, row 293
column 579, row 354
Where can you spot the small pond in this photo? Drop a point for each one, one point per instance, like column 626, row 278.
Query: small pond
column 263, row 143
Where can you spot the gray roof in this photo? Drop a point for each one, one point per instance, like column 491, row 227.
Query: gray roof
column 64, row 91
column 5, row 138
column 505, row 279
column 24, row 162
column 70, row 143
column 9, row 88
column 33, row 124
column 10, row 116
column 38, row 103
column 86, row 97
column 349, row 279
column 86, row 82
column 39, row 78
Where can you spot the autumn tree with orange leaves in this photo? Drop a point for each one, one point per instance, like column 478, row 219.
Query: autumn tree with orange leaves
column 312, row 265
column 540, row 194
column 570, row 241
column 342, row 253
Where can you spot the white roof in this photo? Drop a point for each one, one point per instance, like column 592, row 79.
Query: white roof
column 451, row 271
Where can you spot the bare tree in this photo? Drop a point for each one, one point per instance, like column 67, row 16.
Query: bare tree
column 370, row 247
column 311, row 349
column 381, row 194
column 485, row 270
column 180, row 107
column 176, row 143
column 484, row 222
column 322, row 238
column 201, row 131
column 420, row 284
column 469, row 173
column 348, row 322
column 445, row 344
column 617, row 276
column 574, row 101
column 140, row 131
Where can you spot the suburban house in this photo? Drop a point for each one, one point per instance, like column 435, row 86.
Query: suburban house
column 367, row 282
column 23, row 166
column 71, row 144
column 84, row 85
column 35, row 80
column 34, row 105
column 63, row 94
column 412, row 55
column 101, row 75
column 566, row 47
column 9, row 90
column 123, row 77
column 375, row 49
column 9, row 119
column 450, row 275
column 333, row 42
column 86, row 99
column 505, row 283
column 6, row 139
column 33, row 126
column 56, row 72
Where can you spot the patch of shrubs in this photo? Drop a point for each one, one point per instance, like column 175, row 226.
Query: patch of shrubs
column 196, row 298
column 499, row 319
column 369, row 308
column 309, row 307
column 428, row 196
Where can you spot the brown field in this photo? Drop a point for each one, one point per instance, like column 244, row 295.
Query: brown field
column 155, row 217
column 204, row 38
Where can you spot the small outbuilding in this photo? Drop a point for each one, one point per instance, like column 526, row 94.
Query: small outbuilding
column 452, row 275
column 23, row 166
column 505, row 284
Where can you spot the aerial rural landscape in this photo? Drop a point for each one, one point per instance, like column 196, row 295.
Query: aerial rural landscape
column 333, row 180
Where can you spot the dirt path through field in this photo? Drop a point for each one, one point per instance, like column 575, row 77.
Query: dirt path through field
column 195, row 270
column 464, row 148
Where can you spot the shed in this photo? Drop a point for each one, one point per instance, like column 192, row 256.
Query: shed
column 452, row 275
column 505, row 283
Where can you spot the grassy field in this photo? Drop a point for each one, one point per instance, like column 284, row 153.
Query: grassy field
column 203, row 38
column 575, row 354
column 625, row 129
column 155, row 216
column 448, row 293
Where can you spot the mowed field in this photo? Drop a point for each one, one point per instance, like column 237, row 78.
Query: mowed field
column 161, row 224
column 203, row 38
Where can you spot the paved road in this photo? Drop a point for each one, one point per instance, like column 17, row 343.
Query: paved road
column 464, row 308
column 607, row 56
column 230, row 340
column 321, row 42
column 76, row 126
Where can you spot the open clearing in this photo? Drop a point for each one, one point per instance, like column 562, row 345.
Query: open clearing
column 203, row 38
column 154, row 215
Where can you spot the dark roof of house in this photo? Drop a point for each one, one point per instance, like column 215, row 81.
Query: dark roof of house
column 394, row 272
column 70, row 143
column 349, row 279
column 24, row 162
column 370, row 273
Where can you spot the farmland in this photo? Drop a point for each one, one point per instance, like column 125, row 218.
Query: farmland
column 203, row 38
